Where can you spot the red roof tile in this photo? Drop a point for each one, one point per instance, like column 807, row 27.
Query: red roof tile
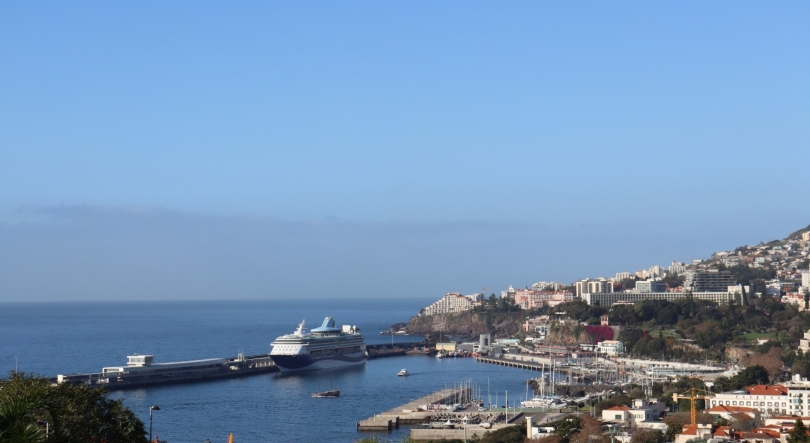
column 723, row 408
column 689, row 430
column 722, row 431
column 767, row 390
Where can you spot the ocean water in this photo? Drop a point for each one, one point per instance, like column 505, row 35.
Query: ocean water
column 64, row 338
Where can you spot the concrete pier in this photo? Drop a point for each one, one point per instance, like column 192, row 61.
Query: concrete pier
column 461, row 431
column 233, row 367
column 409, row 412
column 453, row 434
column 530, row 364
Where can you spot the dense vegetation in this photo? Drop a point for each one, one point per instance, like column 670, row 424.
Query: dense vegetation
column 752, row 375
column 690, row 329
column 685, row 329
column 32, row 411
column 799, row 433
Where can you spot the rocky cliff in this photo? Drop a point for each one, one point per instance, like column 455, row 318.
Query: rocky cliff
column 467, row 324
column 566, row 334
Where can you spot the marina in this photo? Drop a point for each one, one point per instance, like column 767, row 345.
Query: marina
column 414, row 411
column 451, row 413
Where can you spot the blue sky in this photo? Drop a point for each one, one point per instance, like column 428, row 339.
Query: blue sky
column 153, row 150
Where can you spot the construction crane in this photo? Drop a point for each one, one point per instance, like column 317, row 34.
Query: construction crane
column 692, row 397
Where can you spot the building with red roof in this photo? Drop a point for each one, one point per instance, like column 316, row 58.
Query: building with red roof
column 765, row 399
column 746, row 416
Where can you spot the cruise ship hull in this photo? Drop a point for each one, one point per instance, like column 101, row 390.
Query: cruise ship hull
column 301, row 363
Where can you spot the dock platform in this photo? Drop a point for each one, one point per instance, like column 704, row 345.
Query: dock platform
column 409, row 413
column 533, row 366
column 173, row 372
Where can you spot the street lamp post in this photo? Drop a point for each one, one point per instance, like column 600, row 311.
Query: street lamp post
column 152, row 408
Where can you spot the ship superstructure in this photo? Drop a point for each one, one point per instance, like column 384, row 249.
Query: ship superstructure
column 325, row 347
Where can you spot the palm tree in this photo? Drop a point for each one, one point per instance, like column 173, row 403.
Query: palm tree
column 20, row 412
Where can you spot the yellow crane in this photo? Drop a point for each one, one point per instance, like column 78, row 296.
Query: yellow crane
column 692, row 397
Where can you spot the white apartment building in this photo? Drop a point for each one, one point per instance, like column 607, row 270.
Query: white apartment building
column 621, row 276
column 585, row 286
column 799, row 394
column 797, row 298
column 767, row 400
column 738, row 289
column 650, row 286
column 609, row 299
column 804, row 343
column 549, row 285
column 642, row 411
column 656, row 272
column 610, row 347
column 476, row 298
column 581, row 288
column 452, row 302
column 676, row 268
column 708, row 280
column 806, row 279
column 601, row 285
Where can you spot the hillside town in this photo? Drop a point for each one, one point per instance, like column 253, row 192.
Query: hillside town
column 707, row 351
column 782, row 270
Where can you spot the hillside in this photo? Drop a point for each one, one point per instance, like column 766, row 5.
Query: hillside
column 798, row 234
column 468, row 324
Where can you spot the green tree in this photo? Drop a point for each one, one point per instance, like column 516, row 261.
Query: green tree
column 629, row 336
column 566, row 428
column 752, row 375
column 647, row 436
column 75, row 414
column 799, row 433
column 22, row 406
column 509, row 434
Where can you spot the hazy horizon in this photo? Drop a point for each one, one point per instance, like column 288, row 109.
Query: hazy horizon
column 197, row 150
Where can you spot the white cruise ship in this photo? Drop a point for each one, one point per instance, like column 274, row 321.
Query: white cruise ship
column 326, row 347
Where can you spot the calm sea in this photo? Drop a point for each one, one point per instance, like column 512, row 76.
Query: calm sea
column 63, row 338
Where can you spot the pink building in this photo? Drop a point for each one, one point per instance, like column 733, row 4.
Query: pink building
column 530, row 298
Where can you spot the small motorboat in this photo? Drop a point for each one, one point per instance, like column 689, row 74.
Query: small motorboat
column 403, row 373
column 330, row 393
